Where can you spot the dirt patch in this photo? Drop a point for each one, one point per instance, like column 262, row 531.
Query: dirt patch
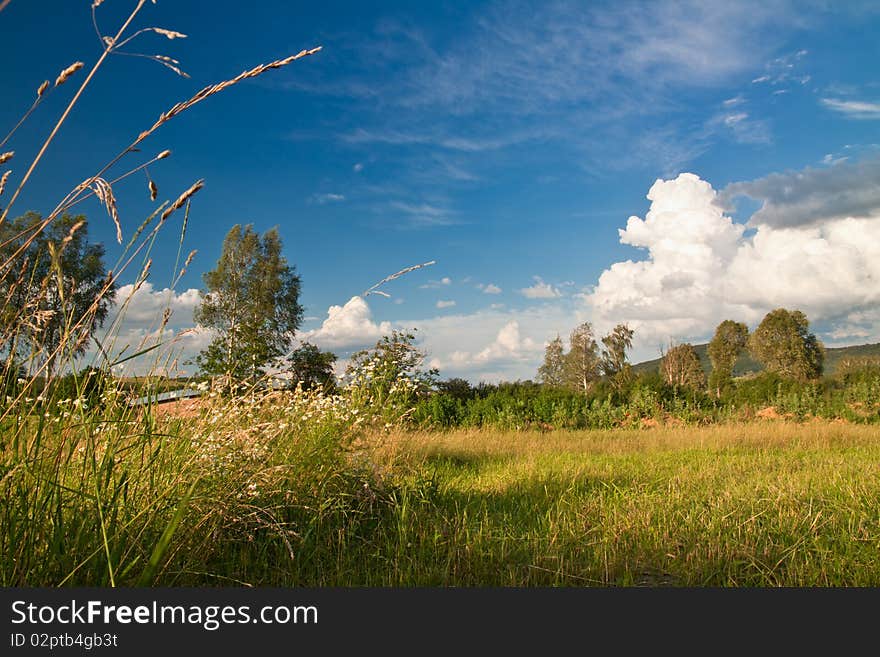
column 769, row 413
column 183, row 408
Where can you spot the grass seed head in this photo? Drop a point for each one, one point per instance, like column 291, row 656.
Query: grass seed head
column 182, row 199
column 64, row 76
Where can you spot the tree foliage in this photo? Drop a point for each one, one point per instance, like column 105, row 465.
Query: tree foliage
column 457, row 388
column 252, row 304
column 681, row 367
column 724, row 349
column 552, row 370
column 614, row 360
column 56, row 290
column 783, row 344
column 312, row 368
column 582, row 363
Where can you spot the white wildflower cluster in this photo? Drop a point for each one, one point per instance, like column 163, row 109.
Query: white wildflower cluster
column 222, row 452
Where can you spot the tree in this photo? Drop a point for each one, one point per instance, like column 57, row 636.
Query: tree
column 552, row 371
column 456, row 388
column 56, row 290
column 681, row 367
column 251, row 302
column 613, row 361
column 582, row 362
column 783, row 344
column 312, row 368
column 724, row 349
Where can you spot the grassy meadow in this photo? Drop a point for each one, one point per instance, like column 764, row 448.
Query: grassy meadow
column 386, row 481
column 294, row 489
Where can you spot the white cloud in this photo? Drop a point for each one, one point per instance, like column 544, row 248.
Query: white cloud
column 702, row 268
column 358, row 167
column 136, row 320
column 741, row 126
column 423, row 215
column 508, row 344
column 442, row 303
column 540, row 290
column 854, row 109
column 430, row 285
column 489, row 288
column 348, row 327
column 323, row 199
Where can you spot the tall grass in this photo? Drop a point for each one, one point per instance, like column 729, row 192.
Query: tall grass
column 298, row 488
column 93, row 490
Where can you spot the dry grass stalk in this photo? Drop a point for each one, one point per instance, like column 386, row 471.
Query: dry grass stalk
column 64, row 76
column 71, row 233
column 171, row 34
column 3, row 180
column 189, row 259
column 373, row 290
column 42, row 88
column 5, row 157
column 220, row 86
column 182, row 199
column 154, row 191
column 104, row 192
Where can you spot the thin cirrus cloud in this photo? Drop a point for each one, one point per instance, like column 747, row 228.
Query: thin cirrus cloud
column 424, row 215
column 445, row 303
column 853, row 109
column 561, row 75
column 323, row 199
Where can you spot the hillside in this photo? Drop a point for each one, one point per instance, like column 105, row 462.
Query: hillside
column 746, row 365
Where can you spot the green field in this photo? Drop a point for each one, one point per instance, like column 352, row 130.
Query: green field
column 268, row 493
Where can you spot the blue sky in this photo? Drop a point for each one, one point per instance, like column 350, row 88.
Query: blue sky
column 509, row 142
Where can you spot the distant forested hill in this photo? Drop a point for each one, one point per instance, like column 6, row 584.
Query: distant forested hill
column 746, row 365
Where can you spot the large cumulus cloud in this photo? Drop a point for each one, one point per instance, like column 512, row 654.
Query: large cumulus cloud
column 702, row 267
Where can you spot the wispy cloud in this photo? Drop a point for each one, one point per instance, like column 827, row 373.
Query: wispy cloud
column 433, row 285
column 785, row 70
column 583, row 77
column 742, row 127
column 424, row 215
column 490, row 288
column 853, row 109
column 323, row 199
column 445, row 303
column 453, row 142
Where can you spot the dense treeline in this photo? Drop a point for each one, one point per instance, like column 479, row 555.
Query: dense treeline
column 590, row 387
column 853, row 396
